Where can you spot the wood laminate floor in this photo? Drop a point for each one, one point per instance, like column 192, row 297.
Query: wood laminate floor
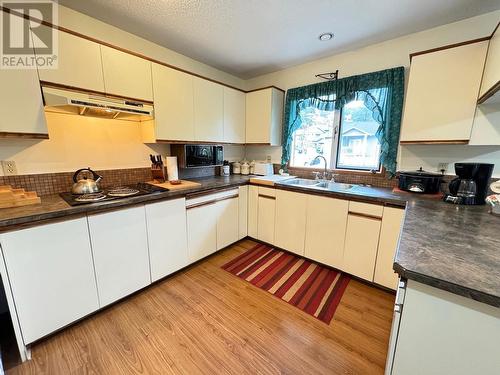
column 204, row 320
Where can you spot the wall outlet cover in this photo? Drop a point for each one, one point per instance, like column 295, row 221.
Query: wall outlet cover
column 9, row 168
column 443, row 167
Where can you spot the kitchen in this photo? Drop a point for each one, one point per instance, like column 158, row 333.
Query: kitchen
column 105, row 272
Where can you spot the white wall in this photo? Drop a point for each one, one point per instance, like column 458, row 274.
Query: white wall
column 385, row 55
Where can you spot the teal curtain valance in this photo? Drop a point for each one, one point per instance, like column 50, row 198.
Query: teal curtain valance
column 382, row 92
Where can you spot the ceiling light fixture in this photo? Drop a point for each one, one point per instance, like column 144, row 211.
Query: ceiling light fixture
column 325, row 36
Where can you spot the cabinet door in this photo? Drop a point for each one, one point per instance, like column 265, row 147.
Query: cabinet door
column 167, row 237
column 266, row 214
column 253, row 211
column 79, row 63
column 202, row 231
column 120, row 248
column 392, row 222
column 361, row 243
column 234, row 116
column 51, row 275
column 173, row 96
column 21, row 105
column 126, row 74
column 325, row 229
column 227, row 222
column 258, row 116
column 491, row 74
column 243, row 212
column 290, row 226
column 208, row 111
column 438, row 105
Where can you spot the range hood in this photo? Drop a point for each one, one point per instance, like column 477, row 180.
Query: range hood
column 92, row 105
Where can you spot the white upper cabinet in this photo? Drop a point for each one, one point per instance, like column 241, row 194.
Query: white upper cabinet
column 264, row 113
column 174, row 111
column 290, row 225
column 120, row 249
column 325, row 230
column 51, row 274
column 79, row 63
column 442, row 94
column 208, row 111
column 126, row 75
column 167, row 237
column 234, row 116
column 491, row 74
column 21, row 105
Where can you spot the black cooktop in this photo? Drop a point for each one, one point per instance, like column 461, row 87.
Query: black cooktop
column 112, row 193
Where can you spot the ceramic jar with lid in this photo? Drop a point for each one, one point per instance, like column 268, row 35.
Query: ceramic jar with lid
column 236, row 167
column 245, row 168
column 252, row 167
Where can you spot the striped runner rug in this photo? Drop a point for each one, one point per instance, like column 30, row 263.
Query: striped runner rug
column 313, row 288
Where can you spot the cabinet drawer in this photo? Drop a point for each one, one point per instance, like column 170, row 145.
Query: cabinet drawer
column 368, row 209
column 267, row 192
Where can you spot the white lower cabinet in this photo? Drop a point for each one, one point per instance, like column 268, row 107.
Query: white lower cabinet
column 243, row 212
column 392, row 221
column 361, row 242
column 167, row 237
column 290, row 225
column 253, row 211
column 228, row 221
column 120, row 249
column 202, row 231
column 325, row 229
column 266, row 209
column 51, row 275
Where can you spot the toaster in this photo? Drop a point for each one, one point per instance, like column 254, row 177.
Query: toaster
column 263, row 169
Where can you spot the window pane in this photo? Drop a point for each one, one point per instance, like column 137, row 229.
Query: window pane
column 313, row 138
column 358, row 146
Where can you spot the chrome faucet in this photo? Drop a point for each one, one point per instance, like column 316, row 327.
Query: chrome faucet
column 325, row 173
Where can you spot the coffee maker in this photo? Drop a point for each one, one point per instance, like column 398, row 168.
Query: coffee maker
column 471, row 185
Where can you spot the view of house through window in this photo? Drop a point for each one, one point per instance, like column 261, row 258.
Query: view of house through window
column 354, row 146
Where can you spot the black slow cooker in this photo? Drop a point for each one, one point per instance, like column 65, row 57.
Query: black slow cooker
column 420, row 181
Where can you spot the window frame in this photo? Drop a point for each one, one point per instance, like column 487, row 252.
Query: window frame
column 334, row 152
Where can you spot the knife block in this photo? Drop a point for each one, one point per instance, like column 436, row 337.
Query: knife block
column 158, row 173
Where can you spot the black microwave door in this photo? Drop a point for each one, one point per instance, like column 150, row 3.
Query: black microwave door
column 199, row 156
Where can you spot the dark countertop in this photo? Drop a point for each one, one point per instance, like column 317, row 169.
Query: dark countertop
column 53, row 206
column 454, row 248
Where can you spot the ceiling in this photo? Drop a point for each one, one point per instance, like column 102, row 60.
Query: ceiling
column 248, row 38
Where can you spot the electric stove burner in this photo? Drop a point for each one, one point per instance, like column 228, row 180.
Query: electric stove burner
column 94, row 197
column 113, row 193
column 122, row 191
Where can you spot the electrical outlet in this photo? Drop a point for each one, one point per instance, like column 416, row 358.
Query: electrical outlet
column 9, row 168
column 443, row 167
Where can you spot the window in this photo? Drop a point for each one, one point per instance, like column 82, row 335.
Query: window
column 354, row 147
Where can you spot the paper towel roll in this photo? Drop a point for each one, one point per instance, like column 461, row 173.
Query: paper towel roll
column 172, row 171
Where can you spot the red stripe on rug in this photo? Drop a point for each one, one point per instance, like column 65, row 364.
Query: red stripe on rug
column 263, row 276
column 334, row 299
column 256, row 265
column 316, row 299
column 247, row 259
column 292, row 279
column 280, row 273
column 297, row 298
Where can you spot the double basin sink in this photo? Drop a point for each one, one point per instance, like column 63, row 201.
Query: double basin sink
column 318, row 184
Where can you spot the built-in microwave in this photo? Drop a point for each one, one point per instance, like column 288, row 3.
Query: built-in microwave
column 196, row 156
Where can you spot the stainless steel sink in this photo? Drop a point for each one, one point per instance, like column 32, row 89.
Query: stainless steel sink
column 301, row 182
column 329, row 185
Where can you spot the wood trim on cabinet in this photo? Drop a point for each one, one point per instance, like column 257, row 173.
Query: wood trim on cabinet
column 436, row 142
column 95, row 40
column 267, row 87
column 267, row 197
column 495, row 30
column 170, row 141
column 213, row 201
column 373, row 217
column 101, row 93
column 488, row 94
column 24, row 135
column 449, row 46
column 210, row 191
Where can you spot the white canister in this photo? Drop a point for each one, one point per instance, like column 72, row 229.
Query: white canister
column 252, row 167
column 245, row 168
column 236, row 167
